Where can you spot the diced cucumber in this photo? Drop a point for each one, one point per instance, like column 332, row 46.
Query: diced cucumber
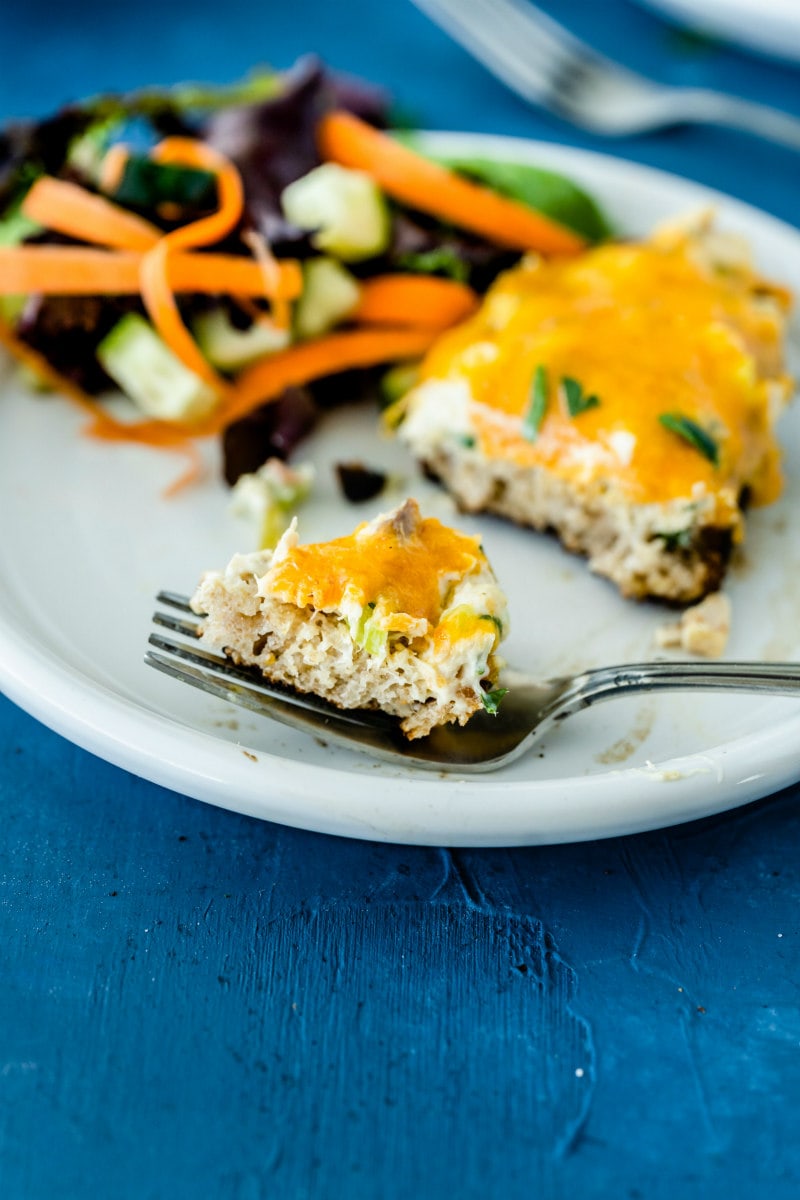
column 268, row 496
column 230, row 348
column 397, row 381
column 346, row 210
column 145, row 369
column 330, row 293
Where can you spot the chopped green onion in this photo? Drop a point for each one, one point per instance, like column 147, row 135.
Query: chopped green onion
column 468, row 441
column 532, row 421
column 495, row 620
column 491, row 700
column 575, row 399
column 684, row 427
column 368, row 634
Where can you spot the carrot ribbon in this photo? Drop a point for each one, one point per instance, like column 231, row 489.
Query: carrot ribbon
column 88, row 271
column 154, row 273
column 428, row 187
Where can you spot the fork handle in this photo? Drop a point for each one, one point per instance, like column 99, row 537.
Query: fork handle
column 698, row 105
column 606, row 683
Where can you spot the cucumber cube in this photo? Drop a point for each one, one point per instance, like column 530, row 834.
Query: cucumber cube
column 345, row 208
column 146, row 370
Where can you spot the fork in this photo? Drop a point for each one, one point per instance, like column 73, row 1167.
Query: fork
column 528, row 711
column 546, row 64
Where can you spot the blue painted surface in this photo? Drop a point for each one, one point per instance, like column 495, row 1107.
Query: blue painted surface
column 194, row 1004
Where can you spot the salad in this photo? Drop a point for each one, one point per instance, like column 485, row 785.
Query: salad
column 234, row 260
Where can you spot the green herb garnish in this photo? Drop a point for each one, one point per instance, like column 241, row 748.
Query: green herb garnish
column 491, row 700
column 495, row 620
column 691, row 432
column 468, row 441
column 532, row 421
column 577, row 402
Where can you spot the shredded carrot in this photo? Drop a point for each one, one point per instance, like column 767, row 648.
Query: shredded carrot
column 68, row 208
column 158, row 435
column 431, row 188
column 163, row 311
column 192, row 474
column 235, row 276
column 103, row 426
column 67, row 271
column 416, row 300
column 189, row 152
column 163, row 435
column 400, row 314
column 267, row 379
column 262, row 253
column 307, row 361
column 154, row 275
column 252, row 310
column 263, row 382
column 86, row 271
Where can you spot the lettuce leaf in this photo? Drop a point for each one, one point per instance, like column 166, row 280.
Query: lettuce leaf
column 547, row 191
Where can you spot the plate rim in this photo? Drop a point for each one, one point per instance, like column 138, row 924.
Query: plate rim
column 771, row 28
column 144, row 742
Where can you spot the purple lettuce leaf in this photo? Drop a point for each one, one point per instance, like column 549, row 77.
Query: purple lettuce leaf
column 272, row 431
column 274, row 143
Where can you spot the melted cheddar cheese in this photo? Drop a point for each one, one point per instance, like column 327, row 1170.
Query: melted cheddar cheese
column 404, row 569
column 648, row 329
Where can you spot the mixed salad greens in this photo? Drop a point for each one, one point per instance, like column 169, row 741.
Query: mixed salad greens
column 234, row 260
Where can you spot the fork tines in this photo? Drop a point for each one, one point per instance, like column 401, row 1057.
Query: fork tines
column 191, row 663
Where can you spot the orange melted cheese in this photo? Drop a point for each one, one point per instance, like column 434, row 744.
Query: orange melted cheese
column 458, row 626
column 648, row 330
column 405, row 564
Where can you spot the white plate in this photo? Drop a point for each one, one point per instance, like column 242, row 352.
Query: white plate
column 88, row 541
column 769, row 26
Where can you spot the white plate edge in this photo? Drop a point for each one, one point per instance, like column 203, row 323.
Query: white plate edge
column 724, row 766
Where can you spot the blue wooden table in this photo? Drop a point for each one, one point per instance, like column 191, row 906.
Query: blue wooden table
column 194, row 1004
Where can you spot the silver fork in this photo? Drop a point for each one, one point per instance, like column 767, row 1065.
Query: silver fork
column 546, row 64
column 528, row 711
